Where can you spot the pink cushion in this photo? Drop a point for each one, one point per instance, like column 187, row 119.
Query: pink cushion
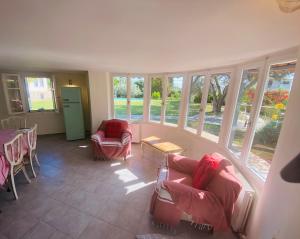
column 182, row 164
column 206, row 169
column 114, row 128
column 179, row 177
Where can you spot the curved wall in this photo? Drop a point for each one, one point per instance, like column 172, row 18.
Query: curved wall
column 276, row 208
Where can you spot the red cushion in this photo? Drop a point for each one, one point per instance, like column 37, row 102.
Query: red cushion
column 205, row 171
column 114, row 128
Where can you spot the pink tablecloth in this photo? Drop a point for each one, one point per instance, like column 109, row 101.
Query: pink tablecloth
column 5, row 136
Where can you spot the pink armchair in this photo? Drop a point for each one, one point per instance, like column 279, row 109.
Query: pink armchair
column 175, row 198
column 112, row 140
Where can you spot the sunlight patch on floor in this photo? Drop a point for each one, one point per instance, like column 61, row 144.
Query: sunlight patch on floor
column 137, row 186
column 115, row 164
column 125, row 175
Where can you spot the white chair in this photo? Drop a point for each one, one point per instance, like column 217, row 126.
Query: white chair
column 13, row 122
column 31, row 142
column 14, row 155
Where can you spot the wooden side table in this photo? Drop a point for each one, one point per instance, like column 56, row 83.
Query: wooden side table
column 163, row 147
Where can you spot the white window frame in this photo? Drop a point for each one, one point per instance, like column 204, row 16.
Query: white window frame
column 264, row 68
column 203, row 100
column 163, row 78
column 128, row 94
column 230, row 71
column 53, row 89
column 180, row 121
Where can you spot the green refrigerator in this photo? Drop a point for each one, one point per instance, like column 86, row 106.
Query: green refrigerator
column 73, row 113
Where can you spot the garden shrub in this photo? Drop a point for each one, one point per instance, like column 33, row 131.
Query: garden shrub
column 268, row 135
column 156, row 95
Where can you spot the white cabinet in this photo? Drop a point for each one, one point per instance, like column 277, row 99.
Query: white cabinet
column 14, row 94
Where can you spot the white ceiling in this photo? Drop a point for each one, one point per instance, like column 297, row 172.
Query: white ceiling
column 141, row 35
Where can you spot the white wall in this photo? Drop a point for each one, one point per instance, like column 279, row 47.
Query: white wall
column 277, row 212
column 53, row 122
column 99, row 97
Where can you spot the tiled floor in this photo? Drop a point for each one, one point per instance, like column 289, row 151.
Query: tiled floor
column 77, row 197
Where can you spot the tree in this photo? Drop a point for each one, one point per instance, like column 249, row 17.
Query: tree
column 156, row 85
column 218, row 90
column 196, row 89
column 140, row 86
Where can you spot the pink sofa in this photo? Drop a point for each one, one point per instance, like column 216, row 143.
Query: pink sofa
column 112, row 140
column 175, row 199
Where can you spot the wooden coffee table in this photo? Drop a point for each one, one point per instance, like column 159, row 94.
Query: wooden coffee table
column 162, row 146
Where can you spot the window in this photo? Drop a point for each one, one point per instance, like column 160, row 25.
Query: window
column 128, row 97
column 137, row 98
column 174, row 91
column 156, row 98
column 215, row 106
column 270, row 118
column 40, row 93
column 13, row 93
column 194, row 104
column 241, row 120
column 120, row 97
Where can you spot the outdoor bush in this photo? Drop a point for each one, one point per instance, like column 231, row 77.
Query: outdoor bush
column 269, row 134
column 197, row 98
column 156, row 95
column 174, row 94
column 275, row 97
column 210, row 98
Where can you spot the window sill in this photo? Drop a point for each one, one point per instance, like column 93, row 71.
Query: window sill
column 255, row 180
column 43, row 111
column 171, row 125
column 191, row 130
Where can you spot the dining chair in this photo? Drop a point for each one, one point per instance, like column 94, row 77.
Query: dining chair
column 13, row 122
column 31, row 142
column 14, row 155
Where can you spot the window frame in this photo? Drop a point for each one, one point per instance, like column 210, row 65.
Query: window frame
column 264, row 67
column 229, row 71
column 163, row 78
column 128, row 94
column 202, row 103
column 180, row 122
column 53, row 89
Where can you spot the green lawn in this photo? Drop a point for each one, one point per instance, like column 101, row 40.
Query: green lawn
column 46, row 104
column 172, row 109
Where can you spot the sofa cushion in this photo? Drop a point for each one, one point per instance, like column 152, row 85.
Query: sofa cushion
column 114, row 128
column 206, row 169
column 179, row 177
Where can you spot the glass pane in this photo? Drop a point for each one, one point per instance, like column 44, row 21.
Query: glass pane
column 271, row 115
column 15, row 101
column 215, row 106
column 137, row 98
column 156, row 98
column 40, row 93
column 243, row 109
column 174, row 90
column 12, row 81
column 195, row 97
column 120, row 97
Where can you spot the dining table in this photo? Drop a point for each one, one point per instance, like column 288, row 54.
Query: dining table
column 7, row 135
